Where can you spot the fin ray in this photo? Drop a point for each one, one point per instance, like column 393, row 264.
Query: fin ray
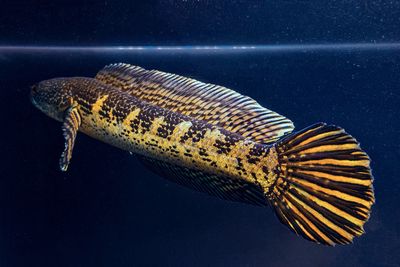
column 214, row 104
column 323, row 189
column 215, row 185
column 70, row 127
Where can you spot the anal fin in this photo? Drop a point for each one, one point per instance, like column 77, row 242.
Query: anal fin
column 220, row 186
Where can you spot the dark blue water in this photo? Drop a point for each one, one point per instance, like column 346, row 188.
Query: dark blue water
column 107, row 210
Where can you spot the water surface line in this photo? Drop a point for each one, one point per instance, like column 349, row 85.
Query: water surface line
column 204, row 48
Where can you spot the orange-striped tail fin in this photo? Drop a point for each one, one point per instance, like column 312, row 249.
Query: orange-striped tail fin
column 323, row 190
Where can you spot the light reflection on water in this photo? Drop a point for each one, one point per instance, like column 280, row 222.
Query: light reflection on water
column 206, row 48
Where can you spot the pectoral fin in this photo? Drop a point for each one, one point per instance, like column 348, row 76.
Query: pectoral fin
column 70, row 127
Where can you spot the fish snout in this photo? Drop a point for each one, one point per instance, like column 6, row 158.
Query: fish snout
column 34, row 90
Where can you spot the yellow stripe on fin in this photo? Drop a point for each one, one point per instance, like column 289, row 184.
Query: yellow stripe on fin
column 323, row 190
column 70, row 127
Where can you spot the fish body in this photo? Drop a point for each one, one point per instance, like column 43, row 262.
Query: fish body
column 214, row 140
column 124, row 121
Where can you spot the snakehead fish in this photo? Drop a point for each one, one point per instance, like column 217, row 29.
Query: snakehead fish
column 214, row 140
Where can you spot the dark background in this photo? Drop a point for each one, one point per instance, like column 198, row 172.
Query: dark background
column 107, row 210
column 175, row 22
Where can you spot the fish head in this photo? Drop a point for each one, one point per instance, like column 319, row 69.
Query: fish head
column 53, row 97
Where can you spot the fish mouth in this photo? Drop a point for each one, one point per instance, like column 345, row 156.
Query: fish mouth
column 32, row 94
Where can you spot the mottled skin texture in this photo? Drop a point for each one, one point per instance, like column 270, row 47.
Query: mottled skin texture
column 119, row 119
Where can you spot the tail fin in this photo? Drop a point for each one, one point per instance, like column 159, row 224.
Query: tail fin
column 323, row 190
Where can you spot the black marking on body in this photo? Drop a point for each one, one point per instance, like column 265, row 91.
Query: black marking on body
column 84, row 106
column 203, row 152
column 240, row 166
column 225, row 146
column 146, row 118
column 255, row 152
column 196, row 132
column 199, row 135
column 252, row 160
column 169, row 124
column 121, row 110
column 135, row 126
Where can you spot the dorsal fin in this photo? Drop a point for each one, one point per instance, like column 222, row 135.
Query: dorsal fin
column 208, row 102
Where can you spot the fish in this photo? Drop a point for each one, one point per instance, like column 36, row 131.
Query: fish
column 215, row 140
